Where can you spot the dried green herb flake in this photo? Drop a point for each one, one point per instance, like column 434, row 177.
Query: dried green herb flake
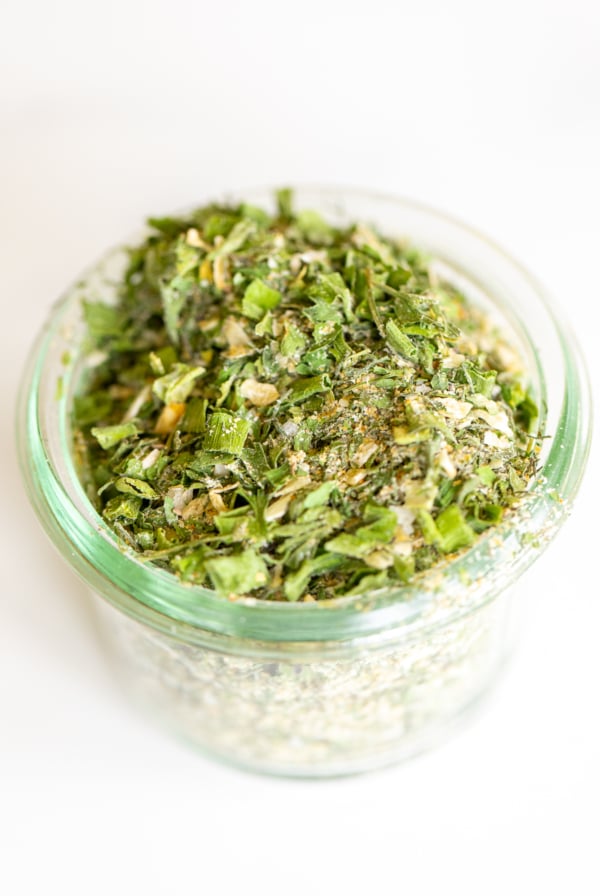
column 237, row 574
column 226, row 432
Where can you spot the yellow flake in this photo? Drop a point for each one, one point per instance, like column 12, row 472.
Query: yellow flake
column 221, row 273
column 193, row 238
column 278, row 508
column 217, row 501
column 169, row 417
column 206, row 271
column 259, row 394
column 365, row 451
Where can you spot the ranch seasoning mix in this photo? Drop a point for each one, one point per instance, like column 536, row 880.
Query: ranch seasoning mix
column 296, row 412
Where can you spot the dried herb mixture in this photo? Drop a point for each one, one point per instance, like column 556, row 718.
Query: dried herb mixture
column 282, row 408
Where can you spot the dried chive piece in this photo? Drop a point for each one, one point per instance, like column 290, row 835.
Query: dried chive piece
column 176, row 385
column 297, row 581
column 285, row 201
column 400, row 342
column 104, row 322
column 109, row 436
column 258, row 299
column 194, row 417
column 320, row 495
column 294, row 410
column 137, row 487
column 454, row 531
column 304, row 388
column 226, row 433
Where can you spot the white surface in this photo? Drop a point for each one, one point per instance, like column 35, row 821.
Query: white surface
column 113, row 111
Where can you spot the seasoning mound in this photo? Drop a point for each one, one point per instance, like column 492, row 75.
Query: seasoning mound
column 283, row 408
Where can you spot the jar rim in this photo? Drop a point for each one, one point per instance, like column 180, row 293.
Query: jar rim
column 460, row 585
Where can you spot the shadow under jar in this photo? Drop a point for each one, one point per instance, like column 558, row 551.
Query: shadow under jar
column 330, row 687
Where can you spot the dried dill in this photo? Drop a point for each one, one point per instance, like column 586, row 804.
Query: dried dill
column 297, row 411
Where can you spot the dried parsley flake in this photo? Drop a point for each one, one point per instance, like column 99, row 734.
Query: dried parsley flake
column 295, row 410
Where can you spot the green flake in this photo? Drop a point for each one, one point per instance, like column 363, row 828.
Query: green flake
column 123, row 507
column 526, row 410
column 404, row 567
column 320, row 495
column 323, row 310
column 369, row 583
column 254, row 213
column 481, row 382
column 486, row 474
column 162, row 360
column 399, row 342
column 449, row 531
column 191, row 567
column 293, row 341
column 170, row 227
column 256, row 462
column 103, row 321
column 109, row 436
column 382, row 523
column 258, row 299
column 297, row 582
column 194, row 418
column 226, row 432
column 174, row 294
column 404, row 436
column 330, row 287
column 187, row 258
column 379, row 532
column 217, row 224
column 229, row 520
column 285, row 201
column 428, row 527
column 265, row 326
column 349, row 546
column 91, row 408
column 236, row 238
column 455, row 532
column 237, row 574
column 176, row 386
column 130, row 486
column 304, row 388
column 314, row 227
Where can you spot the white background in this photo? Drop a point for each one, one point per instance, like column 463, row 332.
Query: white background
column 111, row 111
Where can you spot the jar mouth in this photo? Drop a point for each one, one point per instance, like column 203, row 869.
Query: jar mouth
column 459, row 586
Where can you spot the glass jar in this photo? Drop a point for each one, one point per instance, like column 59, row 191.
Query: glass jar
column 336, row 686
